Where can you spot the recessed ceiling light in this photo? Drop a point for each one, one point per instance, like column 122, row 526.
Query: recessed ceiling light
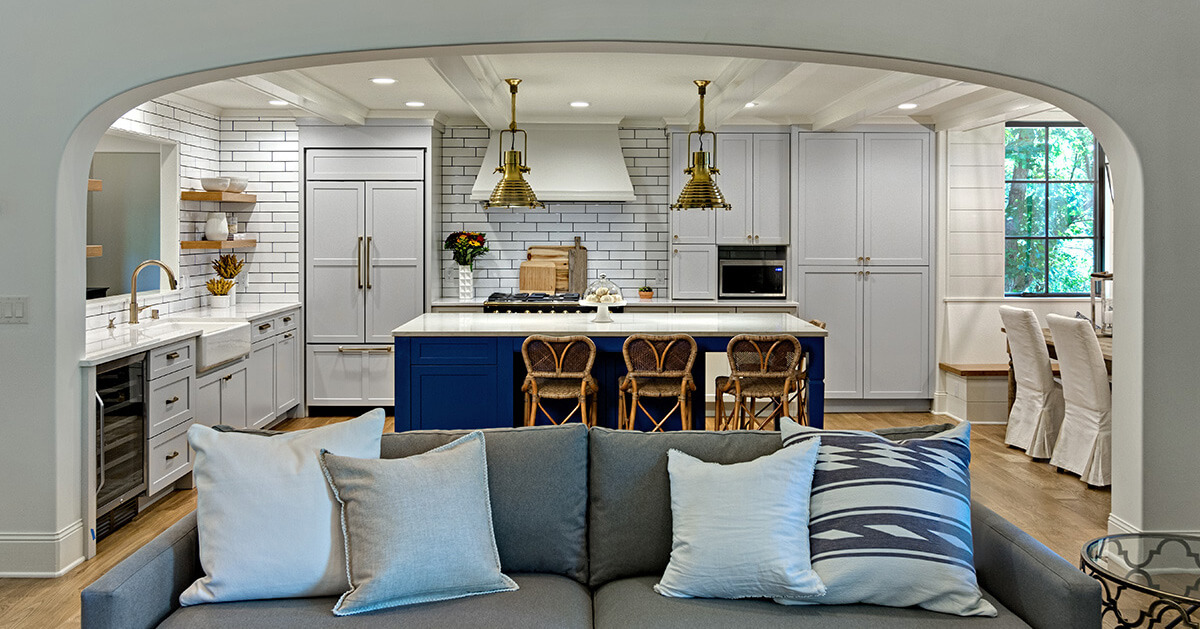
column 749, row 105
column 383, row 80
column 279, row 103
column 580, row 103
column 415, row 103
column 907, row 106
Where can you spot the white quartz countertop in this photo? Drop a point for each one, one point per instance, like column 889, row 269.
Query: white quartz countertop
column 237, row 311
column 124, row 340
column 624, row 324
column 653, row 301
column 106, row 344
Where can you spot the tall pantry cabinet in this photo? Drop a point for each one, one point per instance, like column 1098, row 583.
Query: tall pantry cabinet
column 365, row 215
column 863, row 251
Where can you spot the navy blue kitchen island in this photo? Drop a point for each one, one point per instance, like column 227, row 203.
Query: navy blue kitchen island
column 464, row 370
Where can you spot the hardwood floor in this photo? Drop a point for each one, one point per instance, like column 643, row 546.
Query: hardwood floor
column 1057, row 509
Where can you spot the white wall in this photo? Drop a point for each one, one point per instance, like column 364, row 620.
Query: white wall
column 626, row 241
column 1131, row 86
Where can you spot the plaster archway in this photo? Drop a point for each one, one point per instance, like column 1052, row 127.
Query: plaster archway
column 80, row 70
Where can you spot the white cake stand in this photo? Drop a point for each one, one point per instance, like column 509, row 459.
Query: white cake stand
column 602, row 313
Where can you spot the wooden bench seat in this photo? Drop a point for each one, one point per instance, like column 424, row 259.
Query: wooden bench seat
column 980, row 370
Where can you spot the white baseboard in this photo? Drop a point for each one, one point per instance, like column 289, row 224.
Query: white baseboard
column 41, row 555
column 1118, row 525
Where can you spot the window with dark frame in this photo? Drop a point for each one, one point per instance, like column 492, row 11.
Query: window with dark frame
column 1053, row 216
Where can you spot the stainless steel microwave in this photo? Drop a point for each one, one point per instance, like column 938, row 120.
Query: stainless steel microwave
column 752, row 279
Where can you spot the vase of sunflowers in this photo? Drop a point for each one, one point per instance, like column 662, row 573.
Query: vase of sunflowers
column 466, row 246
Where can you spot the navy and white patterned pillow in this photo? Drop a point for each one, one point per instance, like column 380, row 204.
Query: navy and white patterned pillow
column 890, row 522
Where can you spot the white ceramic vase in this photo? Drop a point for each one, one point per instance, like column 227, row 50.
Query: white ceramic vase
column 216, row 228
column 219, row 301
column 466, row 282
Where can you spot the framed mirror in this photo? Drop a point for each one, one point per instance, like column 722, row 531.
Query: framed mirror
column 135, row 216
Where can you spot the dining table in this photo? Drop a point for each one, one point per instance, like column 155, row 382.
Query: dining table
column 1105, row 341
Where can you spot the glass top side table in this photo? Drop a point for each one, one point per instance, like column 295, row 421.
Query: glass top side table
column 1163, row 569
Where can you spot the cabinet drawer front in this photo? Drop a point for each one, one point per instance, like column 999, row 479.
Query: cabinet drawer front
column 287, row 321
column 171, row 358
column 170, row 457
column 264, row 328
column 350, row 377
column 170, row 402
column 360, row 164
column 453, row 351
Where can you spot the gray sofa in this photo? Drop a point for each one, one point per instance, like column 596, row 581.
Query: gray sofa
column 583, row 523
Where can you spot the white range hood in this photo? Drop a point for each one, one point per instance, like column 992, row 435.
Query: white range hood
column 568, row 162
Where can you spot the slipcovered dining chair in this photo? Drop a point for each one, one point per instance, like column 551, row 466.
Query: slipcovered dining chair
column 1085, row 441
column 559, row 368
column 658, row 367
column 760, row 367
column 1037, row 410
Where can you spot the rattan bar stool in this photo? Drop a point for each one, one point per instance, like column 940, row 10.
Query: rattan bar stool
column 559, row 368
column 659, row 367
column 761, row 367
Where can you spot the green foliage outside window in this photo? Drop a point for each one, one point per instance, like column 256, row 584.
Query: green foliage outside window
column 1050, row 215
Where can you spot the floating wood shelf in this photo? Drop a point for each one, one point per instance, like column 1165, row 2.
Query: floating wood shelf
column 224, row 197
column 219, row 244
column 95, row 251
column 95, row 185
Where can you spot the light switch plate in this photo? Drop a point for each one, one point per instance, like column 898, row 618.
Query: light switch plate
column 14, row 309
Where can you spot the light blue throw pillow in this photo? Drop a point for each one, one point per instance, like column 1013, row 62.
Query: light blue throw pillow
column 267, row 521
column 739, row 530
column 418, row 528
column 891, row 522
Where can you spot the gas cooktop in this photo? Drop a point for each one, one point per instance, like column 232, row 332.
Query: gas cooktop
column 532, row 298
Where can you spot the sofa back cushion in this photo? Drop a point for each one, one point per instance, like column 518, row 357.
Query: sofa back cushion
column 629, row 518
column 538, row 482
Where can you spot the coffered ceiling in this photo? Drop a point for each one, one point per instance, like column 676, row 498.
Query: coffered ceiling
column 620, row 86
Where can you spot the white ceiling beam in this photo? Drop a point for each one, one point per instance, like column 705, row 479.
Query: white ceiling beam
column 477, row 84
column 741, row 82
column 305, row 93
column 875, row 98
column 998, row 107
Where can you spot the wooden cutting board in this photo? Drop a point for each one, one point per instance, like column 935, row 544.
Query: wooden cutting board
column 538, row 276
column 570, row 265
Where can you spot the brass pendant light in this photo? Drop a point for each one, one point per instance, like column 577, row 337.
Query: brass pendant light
column 701, row 192
column 512, row 190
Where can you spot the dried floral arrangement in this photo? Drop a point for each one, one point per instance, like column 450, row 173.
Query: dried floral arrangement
column 227, row 266
column 219, row 286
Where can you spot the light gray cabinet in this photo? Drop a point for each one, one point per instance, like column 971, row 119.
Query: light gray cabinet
column 260, row 382
column 755, row 178
column 344, row 375
column 694, row 272
column 365, row 272
column 863, row 198
column 879, row 344
column 222, row 396
column 287, row 372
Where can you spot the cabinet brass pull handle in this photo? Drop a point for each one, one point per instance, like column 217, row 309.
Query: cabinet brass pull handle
column 365, row 349
column 172, row 455
column 368, row 258
column 675, row 237
column 867, row 259
column 287, row 319
column 756, row 236
column 288, row 335
column 172, row 355
column 228, row 378
column 867, row 273
column 173, row 400
column 676, row 251
column 265, row 326
column 860, row 258
column 358, row 254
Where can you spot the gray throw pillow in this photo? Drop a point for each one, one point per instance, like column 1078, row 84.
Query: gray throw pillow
column 890, row 523
column 417, row 529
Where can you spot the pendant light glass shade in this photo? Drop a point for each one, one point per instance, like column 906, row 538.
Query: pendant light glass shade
column 512, row 190
column 701, row 191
